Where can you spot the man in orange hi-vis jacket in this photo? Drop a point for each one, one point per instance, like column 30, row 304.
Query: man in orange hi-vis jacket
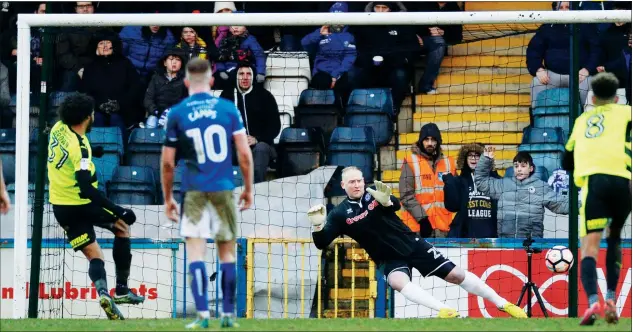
column 422, row 187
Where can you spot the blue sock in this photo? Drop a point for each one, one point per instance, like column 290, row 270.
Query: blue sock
column 228, row 287
column 199, row 285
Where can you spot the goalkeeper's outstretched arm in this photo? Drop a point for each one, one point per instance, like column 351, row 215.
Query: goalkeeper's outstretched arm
column 324, row 229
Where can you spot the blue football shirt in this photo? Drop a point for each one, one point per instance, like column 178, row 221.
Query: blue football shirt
column 201, row 128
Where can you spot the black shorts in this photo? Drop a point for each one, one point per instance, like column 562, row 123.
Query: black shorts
column 78, row 222
column 425, row 258
column 606, row 202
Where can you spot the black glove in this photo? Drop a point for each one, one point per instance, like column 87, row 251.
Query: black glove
column 97, row 151
column 426, row 230
column 128, row 216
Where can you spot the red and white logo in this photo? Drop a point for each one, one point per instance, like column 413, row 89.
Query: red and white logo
column 505, row 270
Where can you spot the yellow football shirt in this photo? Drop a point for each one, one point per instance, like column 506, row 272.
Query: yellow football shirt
column 68, row 152
column 601, row 142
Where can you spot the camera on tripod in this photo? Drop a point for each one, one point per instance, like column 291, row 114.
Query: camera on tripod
column 529, row 286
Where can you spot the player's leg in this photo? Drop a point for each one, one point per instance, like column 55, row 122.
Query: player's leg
column 195, row 228
column 122, row 256
column 398, row 277
column 224, row 230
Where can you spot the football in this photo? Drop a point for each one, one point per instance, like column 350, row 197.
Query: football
column 559, row 259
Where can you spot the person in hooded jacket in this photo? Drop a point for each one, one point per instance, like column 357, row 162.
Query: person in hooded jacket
column 166, row 88
column 335, row 54
column 615, row 44
column 476, row 212
column 144, row 46
column 421, row 185
column 113, row 82
column 260, row 114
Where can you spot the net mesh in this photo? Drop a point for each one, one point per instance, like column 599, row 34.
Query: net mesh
column 481, row 95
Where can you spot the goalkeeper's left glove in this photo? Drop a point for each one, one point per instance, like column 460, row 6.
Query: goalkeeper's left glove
column 382, row 193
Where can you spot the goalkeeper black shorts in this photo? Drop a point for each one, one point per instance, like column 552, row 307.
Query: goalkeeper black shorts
column 425, row 258
column 78, row 222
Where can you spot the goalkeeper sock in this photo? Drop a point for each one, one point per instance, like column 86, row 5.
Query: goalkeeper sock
column 121, row 253
column 199, row 283
column 416, row 294
column 228, row 287
column 472, row 284
column 589, row 277
column 97, row 273
column 614, row 262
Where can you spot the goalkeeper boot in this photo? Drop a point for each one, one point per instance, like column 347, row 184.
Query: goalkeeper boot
column 610, row 312
column 109, row 307
column 513, row 310
column 228, row 321
column 200, row 323
column 448, row 313
column 591, row 314
column 129, row 298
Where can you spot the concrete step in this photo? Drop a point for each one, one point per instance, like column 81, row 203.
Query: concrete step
column 466, row 109
column 465, row 77
column 504, row 138
column 358, row 273
column 509, row 45
column 360, row 283
column 347, row 304
column 505, row 122
column 346, row 293
column 460, row 83
column 356, row 254
column 484, row 61
column 329, row 313
column 507, row 72
column 507, row 6
column 503, row 154
column 473, row 100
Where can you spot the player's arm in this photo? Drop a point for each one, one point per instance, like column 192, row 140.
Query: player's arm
column 324, row 229
column 555, row 202
column 568, row 156
column 484, row 182
column 167, row 169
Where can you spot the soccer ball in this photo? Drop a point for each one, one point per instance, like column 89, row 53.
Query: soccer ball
column 559, row 259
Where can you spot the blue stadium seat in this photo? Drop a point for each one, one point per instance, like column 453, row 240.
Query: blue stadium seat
column 539, row 171
column 318, row 109
column 177, row 187
column 373, row 98
column 144, row 148
column 7, row 154
column 377, row 118
column 132, row 185
column 552, row 109
column 11, row 190
column 353, row 147
column 546, row 145
column 111, row 140
column 301, row 151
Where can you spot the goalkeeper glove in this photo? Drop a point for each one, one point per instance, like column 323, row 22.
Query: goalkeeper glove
column 316, row 214
column 382, row 193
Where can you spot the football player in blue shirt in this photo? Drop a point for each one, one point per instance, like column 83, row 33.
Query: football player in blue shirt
column 200, row 128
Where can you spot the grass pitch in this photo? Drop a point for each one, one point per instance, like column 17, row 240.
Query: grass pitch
column 436, row 325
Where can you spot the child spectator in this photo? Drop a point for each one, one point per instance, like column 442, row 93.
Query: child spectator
column 221, row 32
column 166, row 88
column 522, row 199
column 194, row 46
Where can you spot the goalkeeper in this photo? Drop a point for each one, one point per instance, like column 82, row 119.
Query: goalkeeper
column 78, row 205
column 370, row 219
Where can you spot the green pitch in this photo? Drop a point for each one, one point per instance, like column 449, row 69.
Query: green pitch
column 481, row 325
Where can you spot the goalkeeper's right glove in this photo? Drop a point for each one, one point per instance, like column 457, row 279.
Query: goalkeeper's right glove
column 316, row 214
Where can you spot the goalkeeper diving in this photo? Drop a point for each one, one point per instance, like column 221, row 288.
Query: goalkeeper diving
column 369, row 217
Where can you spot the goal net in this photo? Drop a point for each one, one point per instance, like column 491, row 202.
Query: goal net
column 342, row 100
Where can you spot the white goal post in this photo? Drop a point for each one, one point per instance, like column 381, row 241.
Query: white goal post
column 27, row 21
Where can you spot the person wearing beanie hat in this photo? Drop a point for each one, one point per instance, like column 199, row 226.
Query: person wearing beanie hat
column 476, row 212
column 221, row 32
column 166, row 88
column 422, row 187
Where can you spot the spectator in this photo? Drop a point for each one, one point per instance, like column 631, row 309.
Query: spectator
column 522, row 199
column 421, row 185
column 74, row 51
column 615, row 44
column 385, row 54
column 435, row 40
column 6, row 116
column 112, row 81
column 239, row 46
column 166, row 88
column 221, row 32
column 194, row 46
column 335, row 55
column 476, row 212
column 261, row 118
column 548, row 57
column 144, row 47
column 596, row 5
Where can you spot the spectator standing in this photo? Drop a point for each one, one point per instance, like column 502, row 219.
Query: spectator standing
column 421, row 185
column 221, row 32
column 615, row 44
column 476, row 212
column 144, row 47
column 522, row 199
column 113, row 82
column 435, row 40
column 166, row 88
column 239, row 47
column 385, row 54
column 335, row 54
column 548, row 57
column 260, row 115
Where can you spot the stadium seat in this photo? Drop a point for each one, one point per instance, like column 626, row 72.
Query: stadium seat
column 301, row 151
column 286, row 111
column 371, row 108
column 552, row 109
column 353, row 147
column 373, row 98
column 546, row 145
column 177, row 186
column 132, row 185
column 291, row 86
column 288, row 64
column 31, row 199
column 238, row 180
column 111, row 140
column 318, row 109
column 144, row 148
column 7, row 154
column 539, row 171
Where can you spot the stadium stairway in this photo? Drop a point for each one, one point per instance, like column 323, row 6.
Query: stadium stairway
column 359, row 285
